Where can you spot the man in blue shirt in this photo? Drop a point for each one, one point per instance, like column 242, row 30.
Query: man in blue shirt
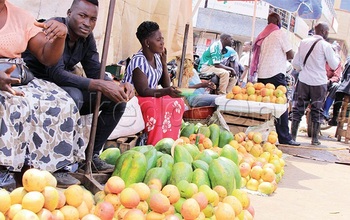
column 80, row 46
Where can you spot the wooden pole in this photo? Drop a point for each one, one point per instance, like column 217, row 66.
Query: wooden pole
column 107, row 38
column 184, row 46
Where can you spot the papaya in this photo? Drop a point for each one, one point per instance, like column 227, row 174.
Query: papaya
column 143, row 148
column 181, row 171
column 134, row 168
column 237, row 173
column 151, row 158
column 231, row 153
column 110, row 155
column 159, row 154
column 120, row 161
column 156, row 173
column 164, row 145
column 187, row 130
column 200, row 177
column 192, row 149
column 205, row 131
column 166, row 161
column 212, row 153
column 200, row 164
column 225, row 137
column 196, row 127
column 204, row 156
column 214, row 134
column 183, row 124
column 222, row 173
column 182, row 155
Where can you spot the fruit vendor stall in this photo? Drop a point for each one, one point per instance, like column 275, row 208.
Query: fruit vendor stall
column 251, row 106
column 207, row 173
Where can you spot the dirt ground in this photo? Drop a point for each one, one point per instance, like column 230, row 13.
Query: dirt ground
column 315, row 184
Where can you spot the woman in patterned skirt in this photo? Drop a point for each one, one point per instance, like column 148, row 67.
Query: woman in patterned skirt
column 39, row 123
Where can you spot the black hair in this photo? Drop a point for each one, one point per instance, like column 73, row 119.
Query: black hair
column 146, row 29
column 94, row 2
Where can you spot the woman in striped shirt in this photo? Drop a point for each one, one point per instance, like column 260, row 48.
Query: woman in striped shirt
column 161, row 104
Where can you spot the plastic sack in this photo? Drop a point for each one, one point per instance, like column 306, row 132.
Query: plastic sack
column 264, row 128
column 131, row 122
column 218, row 119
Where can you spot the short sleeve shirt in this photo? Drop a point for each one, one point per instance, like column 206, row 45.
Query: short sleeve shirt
column 139, row 61
column 272, row 60
column 17, row 31
column 212, row 55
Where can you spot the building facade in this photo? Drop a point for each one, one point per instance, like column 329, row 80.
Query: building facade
column 214, row 17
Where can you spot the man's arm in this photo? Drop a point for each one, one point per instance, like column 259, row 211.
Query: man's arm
column 331, row 58
column 62, row 77
column 336, row 74
column 290, row 55
column 231, row 70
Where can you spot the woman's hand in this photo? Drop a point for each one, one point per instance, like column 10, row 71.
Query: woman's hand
column 163, row 57
column 173, row 92
column 53, row 29
column 6, row 81
column 209, row 84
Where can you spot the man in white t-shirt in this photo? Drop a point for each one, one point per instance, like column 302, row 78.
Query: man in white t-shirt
column 244, row 61
column 270, row 66
column 312, row 84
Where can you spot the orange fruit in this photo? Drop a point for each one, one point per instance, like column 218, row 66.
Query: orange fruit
column 190, row 209
column 74, row 195
column 33, row 201
column 159, row 203
column 129, row 198
column 34, row 180
column 171, row 192
column 70, row 212
column 5, row 199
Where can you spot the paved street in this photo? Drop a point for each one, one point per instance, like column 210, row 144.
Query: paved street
column 314, row 185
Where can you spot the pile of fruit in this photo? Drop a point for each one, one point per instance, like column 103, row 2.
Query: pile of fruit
column 259, row 160
column 259, row 92
column 201, row 175
column 40, row 199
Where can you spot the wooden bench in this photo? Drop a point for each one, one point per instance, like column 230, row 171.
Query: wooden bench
column 343, row 121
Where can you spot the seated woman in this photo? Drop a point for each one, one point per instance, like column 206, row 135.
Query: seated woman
column 162, row 108
column 201, row 96
column 39, row 123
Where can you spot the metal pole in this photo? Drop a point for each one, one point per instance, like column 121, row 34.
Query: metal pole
column 107, row 37
column 184, row 46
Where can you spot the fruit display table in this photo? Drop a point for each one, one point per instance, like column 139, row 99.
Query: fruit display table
column 241, row 114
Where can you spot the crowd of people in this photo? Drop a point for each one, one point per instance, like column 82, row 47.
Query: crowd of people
column 317, row 64
column 44, row 130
